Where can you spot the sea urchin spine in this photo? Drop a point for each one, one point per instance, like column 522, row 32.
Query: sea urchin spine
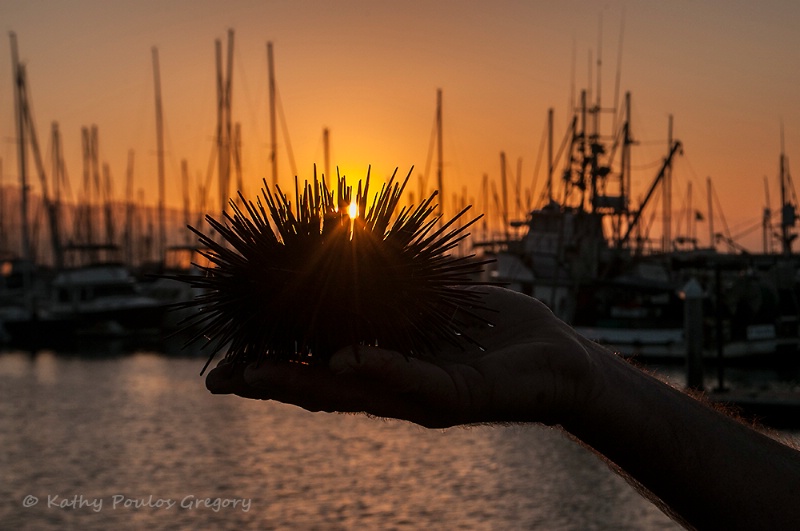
column 299, row 285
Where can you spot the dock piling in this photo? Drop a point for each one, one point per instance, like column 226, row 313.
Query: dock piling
column 693, row 333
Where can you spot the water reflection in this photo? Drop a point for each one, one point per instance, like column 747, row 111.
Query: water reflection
column 141, row 428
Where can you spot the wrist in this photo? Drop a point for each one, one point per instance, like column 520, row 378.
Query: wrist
column 587, row 384
column 609, row 388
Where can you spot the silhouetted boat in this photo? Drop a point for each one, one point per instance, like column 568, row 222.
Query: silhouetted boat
column 94, row 299
column 579, row 253
column 584, row 254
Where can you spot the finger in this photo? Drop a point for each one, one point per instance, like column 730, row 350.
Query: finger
column 311, row 387
column 380, row 383
column 228, row 378
column 220, row 379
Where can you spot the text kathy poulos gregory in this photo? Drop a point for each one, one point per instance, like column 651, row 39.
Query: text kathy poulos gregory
column 123, row 501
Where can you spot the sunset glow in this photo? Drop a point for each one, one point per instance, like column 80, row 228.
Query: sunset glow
column 726, row 73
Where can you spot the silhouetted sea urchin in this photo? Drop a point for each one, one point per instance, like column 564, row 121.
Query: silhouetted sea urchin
column 299, row 285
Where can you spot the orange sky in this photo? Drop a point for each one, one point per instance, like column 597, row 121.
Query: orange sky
column 728, row 72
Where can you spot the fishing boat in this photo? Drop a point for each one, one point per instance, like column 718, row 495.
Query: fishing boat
column 581, row 252
column 586, row 255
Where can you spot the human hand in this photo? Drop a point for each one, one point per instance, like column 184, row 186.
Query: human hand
column 532, row 368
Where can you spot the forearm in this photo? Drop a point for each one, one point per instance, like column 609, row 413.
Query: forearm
column 707, row 468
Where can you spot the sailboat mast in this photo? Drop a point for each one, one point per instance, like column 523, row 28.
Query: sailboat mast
column 185, row 186
column 485, row 209
column 3, row 209
column 504, row 191
column 21, row 152
column 710, row 189
column 94, row 146
column 128, row 240
column 221, row 151
column 626, row 153
column 55, row 205
column 58, row 162
column 86, row 209
column 236, row 151
column 326, row 147
column 162, row 236
column 584, row 150
column 439, row 151
column 550, row 156
column 597, row 105
column 229, row 152
column 273, row 155
column 690, row 224
column 766, row 222
column 666, row 236
column 788, row 213
column 625, row 170
column 107, row 207
column 224, row 124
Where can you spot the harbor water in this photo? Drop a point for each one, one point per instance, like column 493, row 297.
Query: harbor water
column 134, row 441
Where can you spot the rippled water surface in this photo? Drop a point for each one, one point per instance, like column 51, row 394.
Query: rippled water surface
column 85, row 440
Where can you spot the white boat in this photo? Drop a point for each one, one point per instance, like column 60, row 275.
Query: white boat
column 99, row 300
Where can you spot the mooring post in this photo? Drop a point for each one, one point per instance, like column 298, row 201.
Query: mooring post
column 693, row 333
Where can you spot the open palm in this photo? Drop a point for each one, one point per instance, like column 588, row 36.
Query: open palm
column 531, row 367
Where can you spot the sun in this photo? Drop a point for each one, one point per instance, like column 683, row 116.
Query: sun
column 352, row 210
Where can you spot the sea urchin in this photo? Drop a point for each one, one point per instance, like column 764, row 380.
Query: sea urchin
column 299, row 285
